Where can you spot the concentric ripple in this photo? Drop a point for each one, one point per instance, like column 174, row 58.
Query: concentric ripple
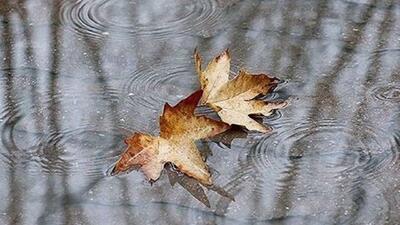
column 325, row 166
column 387, row 92
column 77, row 140
column 63, row 132
column 86, row 150
column 18, row 86
column 327, row 150
column 151, row 87
column 127, row 18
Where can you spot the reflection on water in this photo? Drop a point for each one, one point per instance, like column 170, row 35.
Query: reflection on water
column 77, row 77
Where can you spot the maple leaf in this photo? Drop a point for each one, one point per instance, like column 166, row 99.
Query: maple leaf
column 179, row 128
column 234, row 100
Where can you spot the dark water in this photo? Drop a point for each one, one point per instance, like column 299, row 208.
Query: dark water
column 77, row 77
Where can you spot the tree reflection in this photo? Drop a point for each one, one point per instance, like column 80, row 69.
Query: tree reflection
column 332, row 52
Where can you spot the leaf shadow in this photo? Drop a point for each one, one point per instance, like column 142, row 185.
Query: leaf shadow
column 194, row 187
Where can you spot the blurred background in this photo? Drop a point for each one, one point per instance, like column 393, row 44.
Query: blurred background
column 77, row 77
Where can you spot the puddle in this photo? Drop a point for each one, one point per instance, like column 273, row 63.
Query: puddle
column 78, row 77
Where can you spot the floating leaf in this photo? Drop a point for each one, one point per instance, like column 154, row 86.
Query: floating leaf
column 179, row 128
column 234, row 100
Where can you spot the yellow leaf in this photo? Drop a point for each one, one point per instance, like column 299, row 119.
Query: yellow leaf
column 233, row 100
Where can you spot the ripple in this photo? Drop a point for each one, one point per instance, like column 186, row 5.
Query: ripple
column 17, row 85
column 127, row 18
column 59, row 147
column 86, row 150
column 150, row 87
column 62, row 132
column 387, row 92
column 326, row 167
column 327, row 150
column 273, row 118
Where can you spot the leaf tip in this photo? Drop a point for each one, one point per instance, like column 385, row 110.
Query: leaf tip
column 266, row 130
column 191, row 100
column 167, row 107
column 197, row 61
column 112, row 171
column 196, row 52
column 225, row 55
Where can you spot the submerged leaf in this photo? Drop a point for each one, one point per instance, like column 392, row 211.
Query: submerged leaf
column 234, row 100
column 193, row 186
column 228, row 136
column 190, row 184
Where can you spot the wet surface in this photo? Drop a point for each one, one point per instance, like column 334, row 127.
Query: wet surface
column 77, row 77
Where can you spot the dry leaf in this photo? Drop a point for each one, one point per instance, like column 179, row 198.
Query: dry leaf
column 233, row 100
column 179, row 128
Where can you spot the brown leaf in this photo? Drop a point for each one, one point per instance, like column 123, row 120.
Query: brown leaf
column 179, row 128
column 233, row 100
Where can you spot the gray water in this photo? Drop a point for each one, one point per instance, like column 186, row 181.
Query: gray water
column 77, row 77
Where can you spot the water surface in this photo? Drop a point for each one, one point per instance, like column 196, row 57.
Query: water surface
column 77, row 77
